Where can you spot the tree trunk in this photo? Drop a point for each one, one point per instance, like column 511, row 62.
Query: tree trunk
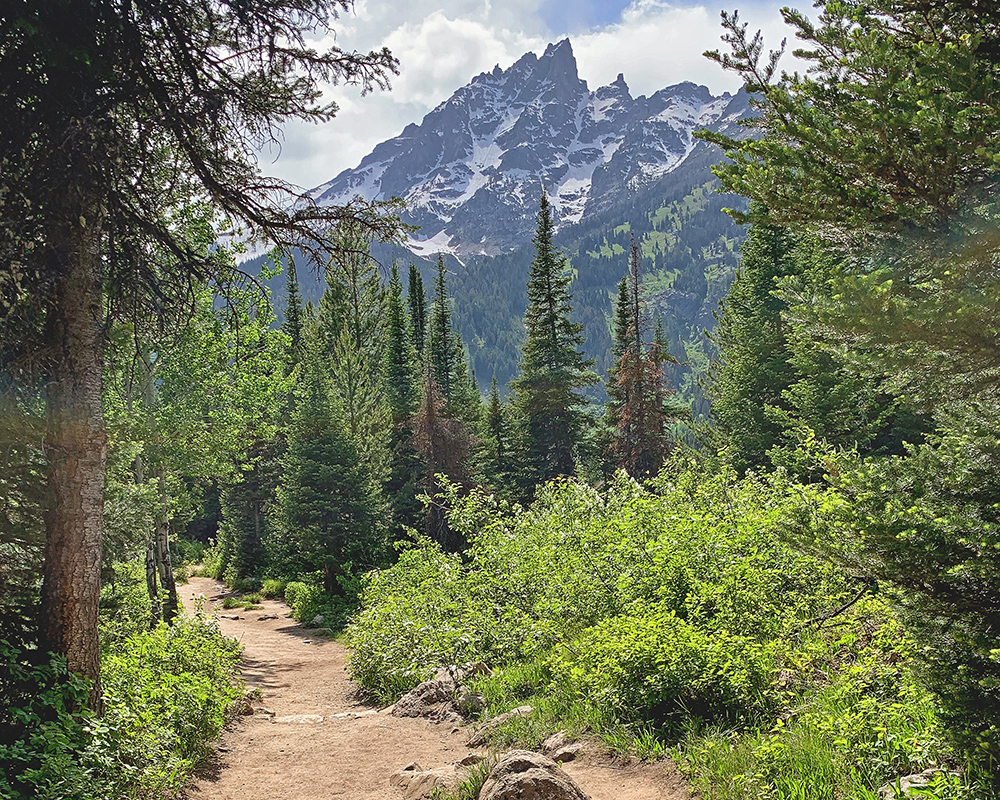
column 75, row 443
column 152, row 586
column 170, row 605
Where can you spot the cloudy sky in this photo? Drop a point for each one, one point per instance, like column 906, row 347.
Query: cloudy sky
column 442, row 44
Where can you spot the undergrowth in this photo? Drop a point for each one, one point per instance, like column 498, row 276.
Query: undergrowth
column 673, row 620
column 167, row 692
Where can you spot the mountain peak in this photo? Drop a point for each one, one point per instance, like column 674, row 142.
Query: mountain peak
column 471, row 171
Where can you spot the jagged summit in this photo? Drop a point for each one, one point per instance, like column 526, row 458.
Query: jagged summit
column 472, row 170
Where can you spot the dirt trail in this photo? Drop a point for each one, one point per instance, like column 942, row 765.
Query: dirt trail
column 323, row 742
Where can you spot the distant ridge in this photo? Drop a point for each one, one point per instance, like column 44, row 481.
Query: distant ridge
column 472, row 171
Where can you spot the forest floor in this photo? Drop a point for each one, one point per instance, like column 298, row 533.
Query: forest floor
column 324, row 741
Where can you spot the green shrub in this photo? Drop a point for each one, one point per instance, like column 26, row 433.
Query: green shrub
column 43, row 744
column 650, row 665
column 168, row 695
column 273, row 588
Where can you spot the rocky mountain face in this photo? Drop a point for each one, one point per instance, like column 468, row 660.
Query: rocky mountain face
column 472, row 171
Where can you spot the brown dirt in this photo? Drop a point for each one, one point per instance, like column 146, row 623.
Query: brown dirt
column 302, row 674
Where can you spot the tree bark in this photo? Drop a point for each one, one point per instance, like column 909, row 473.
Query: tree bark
column 170, row 604
column 152, row 586
column 76, row 442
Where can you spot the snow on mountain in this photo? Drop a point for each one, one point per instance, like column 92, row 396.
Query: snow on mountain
column 472, row 171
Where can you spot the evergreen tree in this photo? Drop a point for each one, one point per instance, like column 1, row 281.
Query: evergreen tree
column 292, row 325
column 753, row 368
column 637, row 412
column 328, row 509
column 351, row 330
column 399, row 359
column 495, row 457
column 417, row 301
column 443, row 442
column 399, row 367
column 441, row 345
column 553, row 369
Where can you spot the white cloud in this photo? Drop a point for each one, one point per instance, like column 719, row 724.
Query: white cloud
column 443, row 44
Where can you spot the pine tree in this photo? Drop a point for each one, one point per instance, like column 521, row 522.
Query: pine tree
column 399, row 359
column 399, row 366
column 328, row 509
column 495, row 457
column 441, row 349
column 753, row 368
column 292, row 325
column 638, row 415
column 553, row 369
column 351, row 329
column 443, row 443
column 417, row 301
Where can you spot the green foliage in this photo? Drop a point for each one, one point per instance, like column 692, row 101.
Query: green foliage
column 553, row 368
column 330, row 518
column 651, row 665
column 538, row 579
column 43, row 739
column 273, row 588
column 847, row 736
column 167, row 692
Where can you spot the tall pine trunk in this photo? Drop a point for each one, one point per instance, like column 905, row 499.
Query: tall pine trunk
column 76, row 441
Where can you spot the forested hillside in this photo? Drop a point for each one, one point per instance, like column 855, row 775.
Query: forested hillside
column 800, row 601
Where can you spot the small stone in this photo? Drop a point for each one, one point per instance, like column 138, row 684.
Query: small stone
column 567, row 753
column 300, row 719
column 905, row 784
column 555, row 742
column 266, row 616
column 472, row 758
column 469, row 703
column 317, row 621
column 418, row 784
column 264, row 712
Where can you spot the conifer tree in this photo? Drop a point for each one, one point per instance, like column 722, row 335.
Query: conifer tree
column 443, row 442
column 328, row 508
column 417, row 301
column 753, row 368
column 351, row 326
column 441, row 350
column 399, row 367
column 638, row 415
column 495, row 456
column 292, row 325
column 553, row 368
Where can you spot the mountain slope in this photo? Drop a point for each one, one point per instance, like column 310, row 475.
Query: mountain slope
column 613, row 166
column 472, row 171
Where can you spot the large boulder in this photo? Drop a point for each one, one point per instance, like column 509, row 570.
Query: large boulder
column 523, row 775
column 429, row 699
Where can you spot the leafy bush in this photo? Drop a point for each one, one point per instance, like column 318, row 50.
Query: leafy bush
column 677, row 615
column 273, row 588
column 167, row 695
column 650, row 665
column 44, row 743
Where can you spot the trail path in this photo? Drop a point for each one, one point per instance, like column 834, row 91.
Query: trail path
column 323, row 742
